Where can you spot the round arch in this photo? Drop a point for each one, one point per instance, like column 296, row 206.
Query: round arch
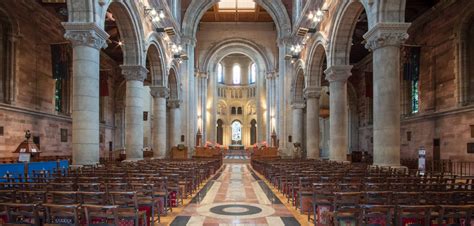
column 464, row 55
column 316, row 61
column 298, row 86
column 243, row 46
column 173, row 84
column 153, row 41
column 155, row 65
column 342, row 30
column 196, row 10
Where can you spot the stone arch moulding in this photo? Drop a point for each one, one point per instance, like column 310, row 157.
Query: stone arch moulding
column 130, row 28
column 298, row 85
column 243, row 46
column 315, row 61
column 196, row 10
column 153, row 42
column 462, row 76
column 341, row 32
column 174, row 83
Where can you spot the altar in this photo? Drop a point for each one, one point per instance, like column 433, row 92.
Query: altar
column 236, row 147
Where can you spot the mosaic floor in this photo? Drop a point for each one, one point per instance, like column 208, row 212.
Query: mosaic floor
column 235, row 197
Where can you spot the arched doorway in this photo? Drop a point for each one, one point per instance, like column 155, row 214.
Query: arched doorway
column 253, row 132
column 236, row 128
column 220, row 132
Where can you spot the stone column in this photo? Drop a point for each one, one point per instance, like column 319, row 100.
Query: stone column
column 134, row 75
column 87, row 39
column 175, row 122
column 297, row 122
column 312, row 95
column 159, row 94
column 384, row 40
column 338, row 111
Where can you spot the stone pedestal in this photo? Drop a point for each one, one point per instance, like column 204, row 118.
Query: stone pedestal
column 175, row 122
column 312, row 95
column 338, row 111
column 159, row 94
column 87, row 39
column 135, row 75
column 384, row 40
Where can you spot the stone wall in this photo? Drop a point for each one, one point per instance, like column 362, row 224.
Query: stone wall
column 440, row 116
column 34, row 107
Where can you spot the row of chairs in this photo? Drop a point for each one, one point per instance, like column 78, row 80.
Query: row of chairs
column 326, row 190
column 132, row 192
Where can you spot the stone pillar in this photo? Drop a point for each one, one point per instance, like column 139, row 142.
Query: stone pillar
column 87, row 39
column 384, row 40
column 134, row 75
column 312, row 95
column 298, row 122
column 175, row 122
column 338, row 111
column 159, row 94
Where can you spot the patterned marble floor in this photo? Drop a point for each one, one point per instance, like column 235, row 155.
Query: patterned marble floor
column 235, row 197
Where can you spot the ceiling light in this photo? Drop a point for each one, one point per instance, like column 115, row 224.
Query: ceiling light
column 153, row 12
column 120, row 43
column 162, row 14
column 310, row 15
column 155, row 19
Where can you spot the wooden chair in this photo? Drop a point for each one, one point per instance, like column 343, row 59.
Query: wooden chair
column 161, row 192
column 128, row 207
column 63, row 197
column 377, row 215
column 36, row 197
column 346, row 207
column 454, row 214
column 92, row 197
column 93, row 187
column 61, row 186
column 22, row 213
column 146, row 198
column 57, row 214
column 414, row 214
column 99, row 215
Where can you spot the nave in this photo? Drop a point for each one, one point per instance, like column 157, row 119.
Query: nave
column 236, row 197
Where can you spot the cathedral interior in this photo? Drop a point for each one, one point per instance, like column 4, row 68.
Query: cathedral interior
column 237, row 112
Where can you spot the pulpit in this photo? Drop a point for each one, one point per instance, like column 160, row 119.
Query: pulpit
column 28, row 151
column 179, row 152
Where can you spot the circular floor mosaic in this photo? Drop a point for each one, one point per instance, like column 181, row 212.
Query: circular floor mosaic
column 235, row 210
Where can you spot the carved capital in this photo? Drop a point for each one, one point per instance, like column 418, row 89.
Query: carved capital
column 338, row 73
column 174, row 103
column 298, row 105
column 85, row 34
column 134, row 72
column 159, row 91
column 312, row 92
column 386, row 34
column 271, row 75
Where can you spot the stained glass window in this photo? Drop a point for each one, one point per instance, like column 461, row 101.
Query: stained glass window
column 411, row 73
column 253, row 73
column 220, row 73
column 236, row 74
column 58, row 95
column 236, row 132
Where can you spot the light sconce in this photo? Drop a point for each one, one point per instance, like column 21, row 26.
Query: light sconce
column 177, row 53
column 317, row 16
column 155, row 15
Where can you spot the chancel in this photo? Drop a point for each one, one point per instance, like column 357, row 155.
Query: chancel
column 237, row 112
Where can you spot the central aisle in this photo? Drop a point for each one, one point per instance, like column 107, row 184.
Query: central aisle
column 236, row 197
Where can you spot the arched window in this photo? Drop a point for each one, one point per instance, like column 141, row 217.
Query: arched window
column 236, row 132
column 220, row 73
column 253, row 73
column 236, row 74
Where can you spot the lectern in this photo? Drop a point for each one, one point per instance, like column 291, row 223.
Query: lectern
column 28, row 151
